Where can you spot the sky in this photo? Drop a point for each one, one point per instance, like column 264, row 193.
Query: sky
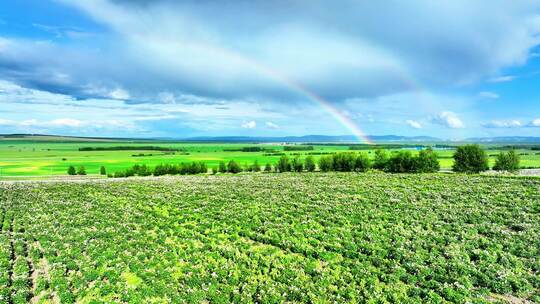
column 452, row 69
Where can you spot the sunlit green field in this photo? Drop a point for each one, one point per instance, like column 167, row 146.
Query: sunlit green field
column 44, row 158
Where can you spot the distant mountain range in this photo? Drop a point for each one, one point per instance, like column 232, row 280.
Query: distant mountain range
column 315, row 139
column 373, row 138
column 505, row 139
column 288, row 139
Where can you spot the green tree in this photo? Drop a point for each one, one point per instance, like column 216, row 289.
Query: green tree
column 102, row 170
column 343, row 162
column 310, row 164
column 203, row 168
column 222, row 167
column 81, row 170
column 256, row 166
column 401, row 162
column 233, row 167
column 381, row 159
column 326, row 163
column 427, row 162
column 283, row 164
column 362, row 162
column 508, row 161
column 297, row 164
column 470, row 159
column 119, row 174
column 71, row 170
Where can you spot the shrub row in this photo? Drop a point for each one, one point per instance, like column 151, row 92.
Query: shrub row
column 128, row 148
column 298, row 148
column 398, row 162
column 467, row 159
column 163, row 169
column 473, row 159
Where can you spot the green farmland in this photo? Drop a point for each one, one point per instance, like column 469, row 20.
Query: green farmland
column 272, row 238
column 22, row 158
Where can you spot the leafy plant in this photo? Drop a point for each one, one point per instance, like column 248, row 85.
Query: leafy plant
column 71, row 170
column 470, row 159
column 508, row 161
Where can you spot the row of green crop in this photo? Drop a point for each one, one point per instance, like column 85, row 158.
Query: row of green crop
column 15, row 284
column 271, row 238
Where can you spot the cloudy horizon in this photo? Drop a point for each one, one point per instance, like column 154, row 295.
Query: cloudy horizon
column 449, row 69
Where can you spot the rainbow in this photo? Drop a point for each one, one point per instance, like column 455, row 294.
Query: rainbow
column 327, row 106
column 343, row 119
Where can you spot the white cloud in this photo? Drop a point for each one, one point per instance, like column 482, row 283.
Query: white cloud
column 414, row 124
column 29, row 123
column 271, row 125
column 449, row 119
column 535, row 123
column 249, row 125
column 192, row 48
column 66, row 122
column 503, row 124
column 502, row 78
column 57, row 123
column 489, row 95
column 166, row 97
column 119, row 94
column 6, row 122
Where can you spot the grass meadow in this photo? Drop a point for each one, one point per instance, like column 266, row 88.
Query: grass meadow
column 23, row 158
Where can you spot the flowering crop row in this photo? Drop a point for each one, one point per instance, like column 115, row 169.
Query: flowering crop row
column 272, row 238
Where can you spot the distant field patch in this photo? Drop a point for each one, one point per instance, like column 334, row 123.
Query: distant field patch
column 30, row 154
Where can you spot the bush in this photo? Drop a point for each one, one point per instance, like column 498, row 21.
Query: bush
column 256, row 167
column 470, row 159
column 362, row 163
column 268, row 167
column 164, row 169
column 252, row 149
column 222, row 167
column 427, row 162
column 140, row 170
column 160, row 170
column 310, row 164
column 344, row 162
column 283, row 164
column 298, row 148
column 326, row 163
column 71, row 170
column 507, row 161
column 102, row 170
column 233, row 167
column 81, row 171
column 297, row 164
column 401, row 162
column 381, row 159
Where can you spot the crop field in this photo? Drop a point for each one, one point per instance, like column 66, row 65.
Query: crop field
column 20, row 158
column 272, row 238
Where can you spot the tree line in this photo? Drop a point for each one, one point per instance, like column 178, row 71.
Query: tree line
column 467, row 159
column 129, row 148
